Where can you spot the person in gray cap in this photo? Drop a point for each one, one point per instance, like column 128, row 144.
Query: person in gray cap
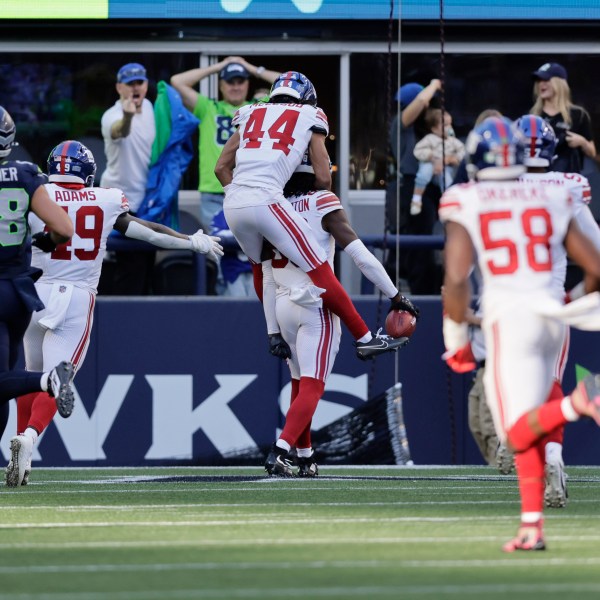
column 128, row 129
column 571, row 123
column 215, row 119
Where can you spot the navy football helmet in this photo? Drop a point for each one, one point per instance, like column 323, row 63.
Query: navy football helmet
column 7, row 132
column 71, row 162
column 296, row 86
column 540, row 140
column 495, row 150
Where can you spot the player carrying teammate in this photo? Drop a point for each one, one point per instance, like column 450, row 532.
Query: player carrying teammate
column 69, row 283
column 269, row 144
column 514, row 230
column 294, row 309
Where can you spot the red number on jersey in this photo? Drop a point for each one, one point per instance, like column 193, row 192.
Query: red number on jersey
column 89, row 222
column 253, row 132
column 281, row 130
column 529, row 219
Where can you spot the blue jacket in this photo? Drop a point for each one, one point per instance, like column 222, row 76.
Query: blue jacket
column 164, row 176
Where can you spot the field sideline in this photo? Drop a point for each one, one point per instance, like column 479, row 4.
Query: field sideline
column 355, row 532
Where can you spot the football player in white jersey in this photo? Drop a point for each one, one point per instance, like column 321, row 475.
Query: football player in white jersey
column 514, row 230
column 256, row 163
column 294, row 309
column 70, row 278
column 540, row 145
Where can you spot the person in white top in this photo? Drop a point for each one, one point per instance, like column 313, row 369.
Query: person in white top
column 440, row 144
column 310, row 333
column 540, row 149
column 128, row 130
column 256, row 163
column 514, row 229
column 70, row 276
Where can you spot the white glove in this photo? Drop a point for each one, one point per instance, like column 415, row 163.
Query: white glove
column 207, row 244
column 456, row 336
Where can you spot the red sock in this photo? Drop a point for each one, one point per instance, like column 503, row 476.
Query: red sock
column 303, row 440
column 530, row 473
column 24, row 404
column 42, row 412
column 337, row 300
column 302, row 409
column 556, row 435
column 535, row 424
column 257, row 276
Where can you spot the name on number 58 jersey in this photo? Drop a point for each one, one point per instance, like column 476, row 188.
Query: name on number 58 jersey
column 93, row 212
column 273, row 140
column 516, row 229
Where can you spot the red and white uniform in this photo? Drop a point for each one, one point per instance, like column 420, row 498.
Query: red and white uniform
column 273, row 140
column 311, row 331
column 517, row 229
column 581, row 194
column 71, row 273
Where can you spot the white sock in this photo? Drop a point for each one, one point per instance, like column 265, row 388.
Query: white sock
column 366, row 338
column 32, row 433
column 304, row 452
column 44, row 382
column 554, row 452
column 569, row 413
column 530, row 518
column 417, row 199
column 283, row 445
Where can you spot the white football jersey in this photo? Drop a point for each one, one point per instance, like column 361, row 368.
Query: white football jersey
column 517, row 230
column 313, row 207
column 581, row 193
column 93, row 212
column 273, row 140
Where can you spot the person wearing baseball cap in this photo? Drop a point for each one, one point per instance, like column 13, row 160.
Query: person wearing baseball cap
column 129, row 129
column 413, row 100
column 215, row 119
column 571, row 123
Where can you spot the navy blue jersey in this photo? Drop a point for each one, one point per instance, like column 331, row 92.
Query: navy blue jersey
column 18, row 182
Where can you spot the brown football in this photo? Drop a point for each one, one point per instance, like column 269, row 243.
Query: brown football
column 400, row 323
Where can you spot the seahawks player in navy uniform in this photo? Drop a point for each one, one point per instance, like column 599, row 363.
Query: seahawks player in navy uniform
column 22, row 190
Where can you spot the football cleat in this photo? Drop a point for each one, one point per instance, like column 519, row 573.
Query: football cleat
column 278, row 463
column 529, row 537
column 21, row 449
column 585, row 398
column 505, row 460
column 59, row 387
column 307, row 467
column 555, row 493
column 379, row 344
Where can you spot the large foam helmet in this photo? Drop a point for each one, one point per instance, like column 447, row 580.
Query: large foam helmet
column 295, row 86
column 71, row 162
column 7, row 132
column 540, row 140
column 495, row 150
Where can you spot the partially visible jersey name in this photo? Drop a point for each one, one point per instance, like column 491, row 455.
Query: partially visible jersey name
column 8, row 174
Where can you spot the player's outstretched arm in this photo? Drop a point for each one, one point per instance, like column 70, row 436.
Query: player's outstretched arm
column 165, row 237
column 585, row 253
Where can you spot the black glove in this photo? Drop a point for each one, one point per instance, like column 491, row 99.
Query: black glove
column 403, row 303
column 278, row 346
column 43, row 241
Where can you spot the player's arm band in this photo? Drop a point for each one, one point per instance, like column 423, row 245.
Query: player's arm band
column 371, row 268
column 137, row 231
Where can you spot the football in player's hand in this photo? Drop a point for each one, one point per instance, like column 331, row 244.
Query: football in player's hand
column 400, row 323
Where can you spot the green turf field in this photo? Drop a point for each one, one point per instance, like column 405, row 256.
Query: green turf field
column 232, row 533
